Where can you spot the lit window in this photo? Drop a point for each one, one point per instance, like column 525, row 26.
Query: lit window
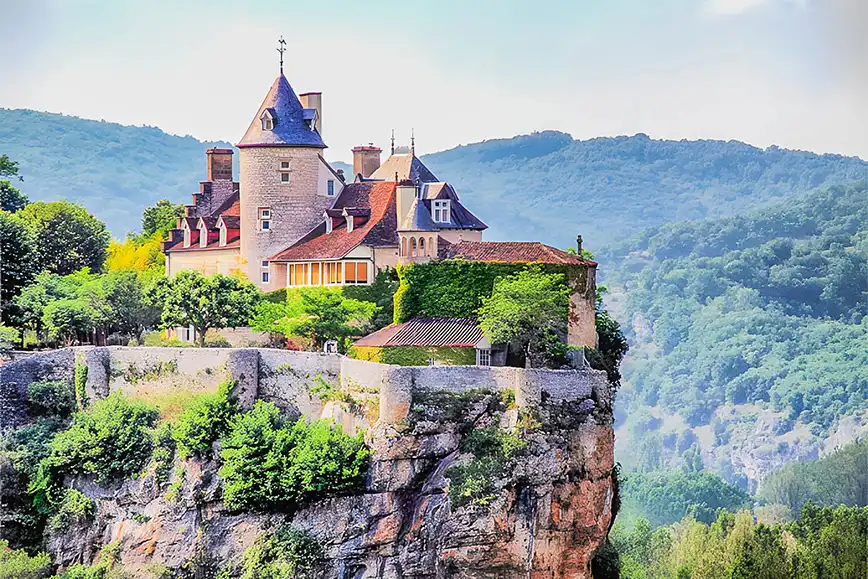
column 331, row 188
column 265, row 219
column 483, row 357
column 441, row 211
column 356, row 272
column 298, row 274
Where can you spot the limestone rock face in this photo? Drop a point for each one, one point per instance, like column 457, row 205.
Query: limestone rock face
column 545, row 518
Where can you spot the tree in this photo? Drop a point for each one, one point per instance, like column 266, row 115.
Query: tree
column 17, row 259
column 11, row 199
column 133, row 254
column 316, row 313
column 9, row 168
column 526, row 309
column 160, row 218
column 191, row 299
column 67, row 237
column 130, row 310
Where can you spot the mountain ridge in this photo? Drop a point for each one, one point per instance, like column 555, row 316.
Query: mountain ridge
column 557, row 186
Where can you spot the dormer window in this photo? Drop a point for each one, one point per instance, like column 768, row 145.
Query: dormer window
column 223, row 233
column 328, row 222
column 267, row 121
column 203, row 235
column 350, row 221
column 441, row 211
column 187, row 235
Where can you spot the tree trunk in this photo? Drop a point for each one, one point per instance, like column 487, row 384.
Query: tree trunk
column 200, row 336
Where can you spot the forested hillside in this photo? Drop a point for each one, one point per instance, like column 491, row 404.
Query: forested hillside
column 115, row 171
column 544, row 186
column 547, row 186
column 748, row 335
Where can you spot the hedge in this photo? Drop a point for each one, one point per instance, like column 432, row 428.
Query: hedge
column 416, row 355
column 451, row 288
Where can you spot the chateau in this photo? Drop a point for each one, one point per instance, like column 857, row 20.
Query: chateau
column 292, row 220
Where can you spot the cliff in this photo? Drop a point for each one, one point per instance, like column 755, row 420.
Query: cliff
column 545, row 509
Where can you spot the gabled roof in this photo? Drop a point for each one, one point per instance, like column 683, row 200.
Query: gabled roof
column 407, row 166
column 290, row 128
column 418, row 218
column 511, row 252
column 229, row 212
column 380, row 230
column 436, row 332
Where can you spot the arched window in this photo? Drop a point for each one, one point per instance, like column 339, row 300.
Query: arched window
column 403, row 247
column 422, row 247
column 413, row 250
column 431, row 251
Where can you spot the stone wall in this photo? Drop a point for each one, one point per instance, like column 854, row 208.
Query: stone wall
column 294, row 381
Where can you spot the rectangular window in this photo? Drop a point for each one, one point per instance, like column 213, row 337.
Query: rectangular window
column 483, row 357
column 440, row 209
column 355, row 272
column 264, row 218
column 284, row 177
column 264, row 277
column 315, row 277
column 265, row 272
column 333, row 273
column 331, row 188
column 284, row 164
column 298, row 274
column 264, row 264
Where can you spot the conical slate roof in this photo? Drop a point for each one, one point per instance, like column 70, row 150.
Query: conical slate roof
column 418, row 218
column 290, row 128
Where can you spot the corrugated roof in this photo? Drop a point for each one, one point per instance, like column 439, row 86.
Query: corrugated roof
column 290, row 128
column 427, row 332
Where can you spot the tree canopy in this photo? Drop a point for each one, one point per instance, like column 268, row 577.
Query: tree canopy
column 191, row 299
column 67, row 237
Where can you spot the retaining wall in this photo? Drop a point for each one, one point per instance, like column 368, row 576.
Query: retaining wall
column 287, row 378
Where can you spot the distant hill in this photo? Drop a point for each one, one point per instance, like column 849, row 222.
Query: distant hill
column 115, row 171
column 747, row 336
column 543, row 186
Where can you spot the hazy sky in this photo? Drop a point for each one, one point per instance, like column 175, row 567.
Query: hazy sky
column 787, row 72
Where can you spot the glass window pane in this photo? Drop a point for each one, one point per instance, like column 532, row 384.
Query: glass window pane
column 350, row 271
column 362, row 272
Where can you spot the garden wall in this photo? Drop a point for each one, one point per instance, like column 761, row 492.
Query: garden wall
column 292, row 380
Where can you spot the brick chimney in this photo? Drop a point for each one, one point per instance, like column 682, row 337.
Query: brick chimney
column 219, row 164
column 405, row 195
column 366, row 159
column 313, row 100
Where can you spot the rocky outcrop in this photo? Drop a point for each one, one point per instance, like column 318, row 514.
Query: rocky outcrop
column 546, row 516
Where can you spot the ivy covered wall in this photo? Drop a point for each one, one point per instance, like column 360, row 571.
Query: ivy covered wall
column 415, row 355
column 452, row 288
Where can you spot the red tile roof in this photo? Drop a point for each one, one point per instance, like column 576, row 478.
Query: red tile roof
column 511, row 252
column 436, row 332
column 380, row 230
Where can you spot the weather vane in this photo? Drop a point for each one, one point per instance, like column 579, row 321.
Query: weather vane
column 281, row 49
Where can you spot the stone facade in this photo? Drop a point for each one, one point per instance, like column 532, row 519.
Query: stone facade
column 296, row 207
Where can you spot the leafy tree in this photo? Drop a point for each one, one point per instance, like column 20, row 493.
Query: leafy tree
column 130, row 310
column 160, row 218
column 67, row 237
column 11, row 199
column 525, row 309
column 9, row 168
column 269, row 464
column 205, row 420
column 17, row 263
column 191, row 299
column 286, row 553
column 316, row 313
column 381, row 292
column 16, row 563
column 133, row 254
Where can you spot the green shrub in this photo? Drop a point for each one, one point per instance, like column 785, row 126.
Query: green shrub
column 74, row 507
column 80, row 382
column 269, row 464
column 217, row 342
column 50, row 399
column 164, row 451
column 493, row 451
column 110, row 440
column 105, row 568
column 287, row 553
column 17, row 564
column 205, row 420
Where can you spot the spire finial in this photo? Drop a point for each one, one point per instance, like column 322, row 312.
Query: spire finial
column 281, row 48
column 413, row 141
column 393, row 141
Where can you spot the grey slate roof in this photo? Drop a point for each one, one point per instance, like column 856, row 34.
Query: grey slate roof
column 290, row 128
column 436, row 332
column 418, row 218
column 407, row 166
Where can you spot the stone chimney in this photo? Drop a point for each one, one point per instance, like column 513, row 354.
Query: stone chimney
column 313, row 100
column 366, row 159
column 219, row 164
column 579, row 246
column 405, row 195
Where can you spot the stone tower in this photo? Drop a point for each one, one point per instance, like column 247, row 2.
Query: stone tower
column 285, row 183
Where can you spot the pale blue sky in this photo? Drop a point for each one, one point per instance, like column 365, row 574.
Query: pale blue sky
column 788, row 72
